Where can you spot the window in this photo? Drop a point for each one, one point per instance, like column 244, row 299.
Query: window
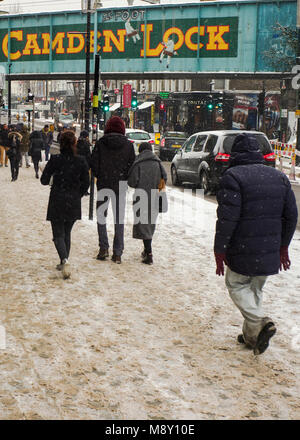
column 138, row 136
column 199, row 143
column 264, row 145
column 188, row 145
column 211, row 143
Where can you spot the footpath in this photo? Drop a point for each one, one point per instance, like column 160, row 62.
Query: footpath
column 130, row 341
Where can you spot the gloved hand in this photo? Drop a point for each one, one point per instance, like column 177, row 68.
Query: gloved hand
column 285, row 262
column 220, row 260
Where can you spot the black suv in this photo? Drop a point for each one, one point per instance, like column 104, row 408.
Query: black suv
column 205, row 156
column 170, row 143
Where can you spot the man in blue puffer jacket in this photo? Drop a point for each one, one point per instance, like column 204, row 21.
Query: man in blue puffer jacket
column 257, row 217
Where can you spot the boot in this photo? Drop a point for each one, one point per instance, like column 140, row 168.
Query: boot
column 263, row 338
column 116, row 259
column 102, row 255
column 147, row 258
column 66, row 270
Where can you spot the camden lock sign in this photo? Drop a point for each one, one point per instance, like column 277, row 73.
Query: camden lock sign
column 207, row 37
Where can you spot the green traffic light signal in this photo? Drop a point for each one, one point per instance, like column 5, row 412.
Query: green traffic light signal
column 133, row 103
column 210, row 106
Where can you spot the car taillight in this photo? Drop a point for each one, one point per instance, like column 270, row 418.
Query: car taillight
column 222, row 157
column 131, row 141
column 162, row 142
column 270, row 157
column 151, row 141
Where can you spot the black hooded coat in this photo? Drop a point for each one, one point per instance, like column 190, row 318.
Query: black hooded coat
column 111, row 161
column 257, row 212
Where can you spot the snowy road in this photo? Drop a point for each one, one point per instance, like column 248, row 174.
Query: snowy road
column 129, row 341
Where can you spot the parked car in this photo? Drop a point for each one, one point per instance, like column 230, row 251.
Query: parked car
column 137, row 137
column 205, row 156
column 169, row 144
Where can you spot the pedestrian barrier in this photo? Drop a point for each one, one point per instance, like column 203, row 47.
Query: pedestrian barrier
column 286, row 151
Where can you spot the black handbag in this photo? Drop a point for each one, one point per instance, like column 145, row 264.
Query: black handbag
column 163, row 204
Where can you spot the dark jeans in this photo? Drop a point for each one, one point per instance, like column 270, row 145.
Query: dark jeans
column 14, row 167
column 61, row 230
column 148, row 246
column 36, row 164
column 47, row 151
column 118, row 207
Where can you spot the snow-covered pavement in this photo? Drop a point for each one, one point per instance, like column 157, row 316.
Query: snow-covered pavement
column 131, row 341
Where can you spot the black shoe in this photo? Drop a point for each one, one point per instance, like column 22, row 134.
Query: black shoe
column 263, row 338
column 36, row 176
column 102, row 255
column 116, row 259
column 241, row 339
column 148, row 259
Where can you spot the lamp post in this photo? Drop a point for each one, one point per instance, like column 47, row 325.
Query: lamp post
column 9, row 94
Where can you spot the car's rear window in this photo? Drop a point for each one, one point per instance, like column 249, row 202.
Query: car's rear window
column 137, row 136
column 174, row 134
column 265, row 147
column 172, row 141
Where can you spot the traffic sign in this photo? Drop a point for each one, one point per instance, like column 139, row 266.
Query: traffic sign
column 28, row 107
column 164, row 95
column 42, row 107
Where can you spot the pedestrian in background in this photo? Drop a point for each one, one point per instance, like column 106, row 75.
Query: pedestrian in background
column 25, row 144
column 257, row 217
column 70, row 182
column 48, row 139
column 35, row 149
column 112, row 159
column 146, row 174
column 4, row 145
column 84, row 147
column 14, row 152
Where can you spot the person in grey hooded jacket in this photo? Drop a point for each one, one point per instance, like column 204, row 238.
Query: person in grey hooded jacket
column 145, row 176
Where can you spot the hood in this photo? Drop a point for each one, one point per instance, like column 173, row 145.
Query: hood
column 36, row 135
column 146, row 155
column 245, row 151
column 114, row 141
column 15, row 133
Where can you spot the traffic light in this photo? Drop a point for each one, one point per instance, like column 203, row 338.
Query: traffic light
column 134, row 100
column 219, row 102
column 105, row 104
column 261, row 103
column 210, row 106
column 162, row 107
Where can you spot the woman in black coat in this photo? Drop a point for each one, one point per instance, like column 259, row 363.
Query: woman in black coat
column 14, row 152
column 35, row 149
column 70, row 182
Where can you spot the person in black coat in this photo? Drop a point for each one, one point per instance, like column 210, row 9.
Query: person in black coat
column 70, row 181
column 257, row 217
column 112, row 158
column 84, row 147
column 36, row 145
column 14, row 152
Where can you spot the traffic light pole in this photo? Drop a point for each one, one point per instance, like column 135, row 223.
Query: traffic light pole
column 95, row 127
column 87, row 69
column 9, row 94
